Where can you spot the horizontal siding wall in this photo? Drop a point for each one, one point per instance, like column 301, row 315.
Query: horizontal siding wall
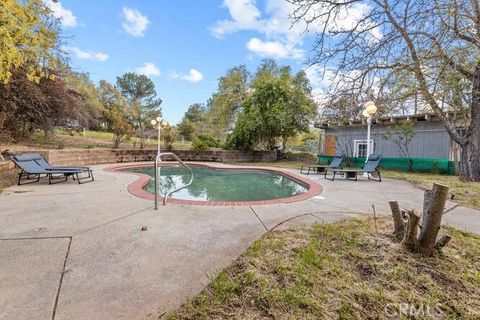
column 431, row 140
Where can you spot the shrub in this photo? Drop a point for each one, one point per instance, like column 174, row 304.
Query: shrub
column 199, row 145
column 169, row 136
column 203, row 142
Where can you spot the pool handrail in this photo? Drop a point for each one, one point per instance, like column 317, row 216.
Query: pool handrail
column 159, row 159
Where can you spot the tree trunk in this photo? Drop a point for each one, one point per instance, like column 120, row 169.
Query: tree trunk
column 432, row 219
column 409, row 241
column 284, row 143
column 399, row 224
column 470, row 157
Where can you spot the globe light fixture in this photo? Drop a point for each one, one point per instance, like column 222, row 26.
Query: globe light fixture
column 371, row 108
column 159, row 122
column 368, row 112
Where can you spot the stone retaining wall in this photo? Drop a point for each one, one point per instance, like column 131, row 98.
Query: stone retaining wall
column 80, row 157
column 6, row 165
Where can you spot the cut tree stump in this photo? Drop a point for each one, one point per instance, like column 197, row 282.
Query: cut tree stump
column 442, row 242
column 409, row 241
column 399, row 224
column 433, row 206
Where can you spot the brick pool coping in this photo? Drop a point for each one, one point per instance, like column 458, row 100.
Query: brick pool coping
column 136, row 187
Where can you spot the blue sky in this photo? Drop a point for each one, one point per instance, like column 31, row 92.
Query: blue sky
column 184, row 46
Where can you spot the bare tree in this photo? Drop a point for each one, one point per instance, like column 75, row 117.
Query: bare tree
column 420, row 39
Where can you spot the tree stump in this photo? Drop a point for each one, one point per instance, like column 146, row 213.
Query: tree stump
column 434, row 204
column 399, row 224
column 409, row 241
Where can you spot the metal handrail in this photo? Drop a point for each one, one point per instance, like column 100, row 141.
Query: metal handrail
column 159, row 158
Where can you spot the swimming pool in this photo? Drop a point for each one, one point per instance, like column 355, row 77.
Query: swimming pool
column 221, row 186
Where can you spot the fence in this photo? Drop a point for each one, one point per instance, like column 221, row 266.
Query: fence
column 431, row 165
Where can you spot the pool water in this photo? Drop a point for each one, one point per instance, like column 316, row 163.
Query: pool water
column 222, row 184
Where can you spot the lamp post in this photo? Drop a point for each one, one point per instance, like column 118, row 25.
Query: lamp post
column 369, row 112
column 159, row 122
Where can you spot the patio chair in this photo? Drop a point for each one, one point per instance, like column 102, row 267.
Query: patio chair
column 38, row 158
column 319, row 168
column 31, row 171
column 370, row 167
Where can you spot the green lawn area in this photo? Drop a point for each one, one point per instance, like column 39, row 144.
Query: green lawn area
column 465, row 193
column 341, row 271
column 93, row 139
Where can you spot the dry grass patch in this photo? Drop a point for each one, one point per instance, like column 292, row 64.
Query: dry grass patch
column 342, row 271
column 465, row 193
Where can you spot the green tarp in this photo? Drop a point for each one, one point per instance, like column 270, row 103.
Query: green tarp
column 443, row 166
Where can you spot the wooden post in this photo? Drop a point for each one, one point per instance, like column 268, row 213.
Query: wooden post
column 409, row 241
column 432, row 218
column 399, row 224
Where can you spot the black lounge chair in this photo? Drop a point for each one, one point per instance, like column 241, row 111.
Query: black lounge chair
column 369, row 168
column 38, row 158
column 32, row 171
column 319, row 168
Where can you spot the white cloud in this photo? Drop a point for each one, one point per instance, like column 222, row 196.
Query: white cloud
column 134, row 22
column 320, row 79
column 148, row 69
column 193, row 76
column 319, row 76
column 274, row 49
column 86, row 54
column 67, row 18
column 275, row 25
column 244, row 15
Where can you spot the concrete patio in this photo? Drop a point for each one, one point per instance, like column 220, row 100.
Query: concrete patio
column 70, row 251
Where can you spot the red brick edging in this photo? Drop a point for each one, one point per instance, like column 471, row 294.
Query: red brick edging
column 136, row 187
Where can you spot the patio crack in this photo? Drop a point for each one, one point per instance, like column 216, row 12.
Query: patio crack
column 70, row 238
column 61, row 279
column 256, row 215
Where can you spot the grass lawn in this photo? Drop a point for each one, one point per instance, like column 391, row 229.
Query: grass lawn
column 92, row 139
column 465, row 193
column 342, row 271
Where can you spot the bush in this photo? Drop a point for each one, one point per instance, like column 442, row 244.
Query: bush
column 199, row 145
column 203, row 142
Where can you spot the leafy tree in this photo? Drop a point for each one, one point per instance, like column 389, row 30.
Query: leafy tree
column 419, row 40
column 169, row 135
column 115, row 112
column 300, row 108
column 140, row 92
column 186, row 129
column 90, row 106
column 27, row 39
column 194, row 121
column 226, row 104
column 196, row 113
column 279, row 106
column 28, row 105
